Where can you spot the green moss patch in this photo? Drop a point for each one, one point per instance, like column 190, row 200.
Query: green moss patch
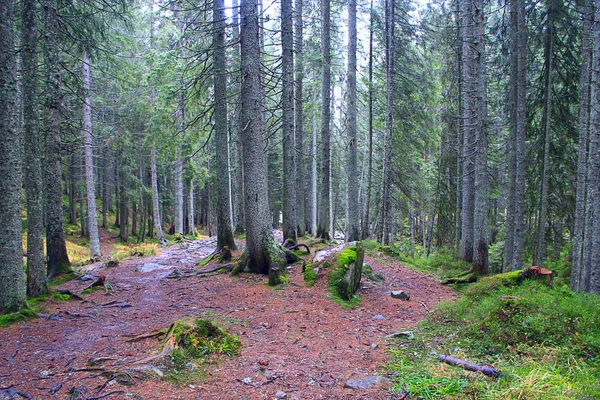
column 25, row 314
column 197, row 342
column 338, row 284
column 310, row 276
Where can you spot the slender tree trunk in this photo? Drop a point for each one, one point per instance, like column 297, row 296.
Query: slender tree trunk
column 262, row 252
column 224, row 233
column 313, row 180
column 520, row 150
column 36, row 270
column 480, row 250
column 459, row 130
column 290, row 223
column 366, row 229
column 512, row 139
column 179, row 192
column 324, row 203
column 12, row 275
column 89, row 163
column 56, row 248
column 240, row 217
column 584, row 126
column 190, row 216
column 301, row 167
column 540, row 249
column 469, row 113
column 386, row 197
column 353, row 211
column 594, row 161
column 153, row 168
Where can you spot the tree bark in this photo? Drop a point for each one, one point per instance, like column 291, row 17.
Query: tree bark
column 324, row 203
column 89, row 163
column 56, row 248
column 584, row 127
column 468, row 188
column 224, row 233
column 262, row 251
column 366, row 228
column 480, row 250
column 386, row 196
column 301, row 167
column 36, row 269
column 287, row 119
column 12, row 275
column 520, row 150
column 352, row 212
column 594, row 167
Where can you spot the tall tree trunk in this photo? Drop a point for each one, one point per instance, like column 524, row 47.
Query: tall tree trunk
column 179, row 192
column 459, row 130
column 540, row 248
column 324, row 203
column 512, row 139
column 224, row 233
column 594, row 167
column 302, row 168
column 480, row 250
column 386, row 196
column 366, row 229
column 89, row 163
column 290, row 223
column 262, row 253
column 352, row 213
column 36, row 270
column 520, row 150
column 56, row 247
column 12, row 275
column 240, row 217
column 153, row 168
column 190, row 216
column 468, row 189
column 313, row 179
column 584, row 126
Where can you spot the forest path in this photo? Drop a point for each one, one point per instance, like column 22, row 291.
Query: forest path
column 296, row 339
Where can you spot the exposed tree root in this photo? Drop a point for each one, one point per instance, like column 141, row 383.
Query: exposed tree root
column 298, row 246
column 470, row 278
column 226, row 267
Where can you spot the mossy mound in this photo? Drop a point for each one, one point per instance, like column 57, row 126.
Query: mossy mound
column 310, row 276
column 196, row 342
column 344, row 278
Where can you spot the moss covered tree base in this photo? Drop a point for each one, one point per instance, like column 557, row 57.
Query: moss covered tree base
column 273, row 262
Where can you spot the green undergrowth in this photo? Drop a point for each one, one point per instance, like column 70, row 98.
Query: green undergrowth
column 35, row 305
column 310, row 276
column 545, row 341
column 197, row 344
column 336, row 281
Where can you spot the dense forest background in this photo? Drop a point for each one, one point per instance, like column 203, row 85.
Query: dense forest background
column 468, row 127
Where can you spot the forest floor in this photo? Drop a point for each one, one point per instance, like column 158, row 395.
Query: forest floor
column 296, row 340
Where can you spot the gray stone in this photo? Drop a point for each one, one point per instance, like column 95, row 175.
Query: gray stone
column 405, row 334
column 400, row 294
column 365, row 383
column 280, row 394
column 379, row 317
column 149, row 267
column 374, row 346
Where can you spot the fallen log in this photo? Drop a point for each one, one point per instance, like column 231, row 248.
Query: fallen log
column 297, row 246
column 457, row 362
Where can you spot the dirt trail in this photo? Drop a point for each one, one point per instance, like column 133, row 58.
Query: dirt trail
column 295, row 339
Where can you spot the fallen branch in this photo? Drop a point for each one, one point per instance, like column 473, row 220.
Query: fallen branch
column 75, row 315
column 105, row 395
column 148, row 335
column 100, row 281
column 489, row 371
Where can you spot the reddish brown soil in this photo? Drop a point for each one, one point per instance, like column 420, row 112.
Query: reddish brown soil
column 295, row 339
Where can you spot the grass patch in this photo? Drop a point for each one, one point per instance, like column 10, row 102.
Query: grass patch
column 123, row 251
column 545, row 341
column 60, row 279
